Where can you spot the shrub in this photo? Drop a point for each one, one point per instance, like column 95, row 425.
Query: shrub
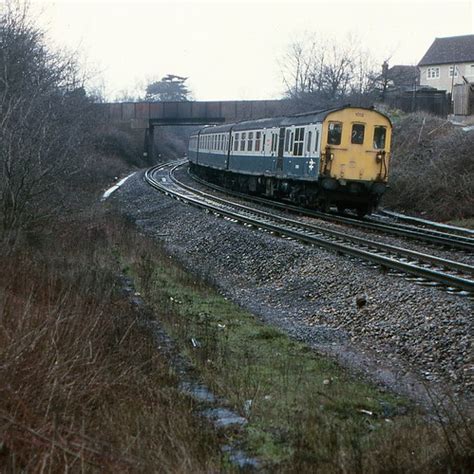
column 432, row 169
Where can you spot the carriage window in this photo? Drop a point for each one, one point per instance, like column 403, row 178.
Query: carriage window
column 287, row 140
column 242, row 141
column 299, row 141
column 379, row 137
column 357, row 136
column 308, row 142
column 316, row 140
column 258, row 136
column 236, row 142
column 334, row 133
column 250, row 142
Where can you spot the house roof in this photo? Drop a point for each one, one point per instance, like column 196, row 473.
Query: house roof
column 451, row 50
column 404, row 75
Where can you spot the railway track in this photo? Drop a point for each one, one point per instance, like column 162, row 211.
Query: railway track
column 433, row 236
column 424, row 268
column 423, row 223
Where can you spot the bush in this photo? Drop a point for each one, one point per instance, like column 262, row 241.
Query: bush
column 432, row 170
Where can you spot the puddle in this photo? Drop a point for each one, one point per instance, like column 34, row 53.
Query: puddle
column 224, row 418
column 198, row 392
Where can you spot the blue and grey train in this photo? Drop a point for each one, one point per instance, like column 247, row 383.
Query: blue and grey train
column 335, row 157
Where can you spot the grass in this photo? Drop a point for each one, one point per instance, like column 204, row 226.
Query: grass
column 82, row 387
column 305, row 412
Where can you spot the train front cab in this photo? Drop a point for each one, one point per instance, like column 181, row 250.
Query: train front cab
column 355, row 157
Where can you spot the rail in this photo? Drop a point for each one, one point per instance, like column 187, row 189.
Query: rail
column 427, row 267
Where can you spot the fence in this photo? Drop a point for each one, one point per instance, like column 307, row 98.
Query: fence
column 428, row 100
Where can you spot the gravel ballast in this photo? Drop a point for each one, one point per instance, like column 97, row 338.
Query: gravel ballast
column 401, row 334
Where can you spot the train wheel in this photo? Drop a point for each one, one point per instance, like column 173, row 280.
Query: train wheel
column 325, row 206
column 363, row 210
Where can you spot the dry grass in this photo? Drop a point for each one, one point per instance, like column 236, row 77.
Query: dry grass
column 81, row 386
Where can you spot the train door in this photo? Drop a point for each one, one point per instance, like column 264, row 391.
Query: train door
column 229, row 145
column 281, row 147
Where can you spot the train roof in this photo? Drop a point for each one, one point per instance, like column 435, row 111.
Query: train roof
column 283, row 121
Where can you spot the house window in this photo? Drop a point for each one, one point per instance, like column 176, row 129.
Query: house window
column 432, row 73
column 453, row 71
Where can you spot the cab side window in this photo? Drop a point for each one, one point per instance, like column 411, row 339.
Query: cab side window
column 334, row 133
column 379, row 137
column 357, row 135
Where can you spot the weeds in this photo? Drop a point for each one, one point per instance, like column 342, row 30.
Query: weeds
column 305, row 413
column 82, row 387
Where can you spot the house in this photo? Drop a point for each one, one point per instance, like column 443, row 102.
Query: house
column 447, row 62
column 402, row 75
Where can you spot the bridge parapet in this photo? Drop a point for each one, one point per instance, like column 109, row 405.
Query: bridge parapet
column 144, row 114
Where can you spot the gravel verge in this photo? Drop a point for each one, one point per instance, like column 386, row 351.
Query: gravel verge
column 403, row 335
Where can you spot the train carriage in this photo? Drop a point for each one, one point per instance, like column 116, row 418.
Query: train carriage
column 335, row 157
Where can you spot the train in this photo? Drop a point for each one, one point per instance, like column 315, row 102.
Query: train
column 338, row 157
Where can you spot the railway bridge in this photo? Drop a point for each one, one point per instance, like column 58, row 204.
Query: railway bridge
column 148, row 115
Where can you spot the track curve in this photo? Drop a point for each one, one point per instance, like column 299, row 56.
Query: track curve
column 427, row 269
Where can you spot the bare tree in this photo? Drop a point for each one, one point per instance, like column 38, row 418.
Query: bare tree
column 44, row 115
column 319, row 72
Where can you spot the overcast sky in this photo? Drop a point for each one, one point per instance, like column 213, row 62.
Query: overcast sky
column 233, row 49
